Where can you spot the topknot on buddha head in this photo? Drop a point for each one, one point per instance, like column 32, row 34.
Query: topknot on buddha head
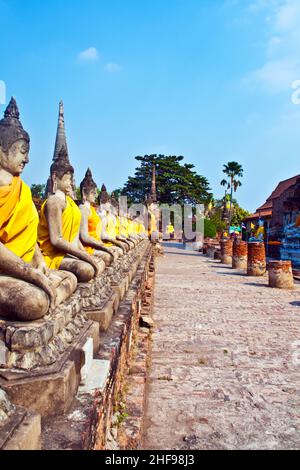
column 11, row 129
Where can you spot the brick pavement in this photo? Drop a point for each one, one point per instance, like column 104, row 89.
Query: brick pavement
column 225, row 370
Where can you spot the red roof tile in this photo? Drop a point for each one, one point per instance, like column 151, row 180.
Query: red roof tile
column 266, row 209
column 283, row 186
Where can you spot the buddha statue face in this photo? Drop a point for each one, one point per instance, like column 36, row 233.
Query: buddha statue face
column 15, row 158
column 63, row 182
column 90, row 195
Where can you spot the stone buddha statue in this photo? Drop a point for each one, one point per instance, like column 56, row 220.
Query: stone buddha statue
column 91, row 223
column 27, row 287
column 109, row 233
column 59, row 227
column 152, row 218
column 121, row 224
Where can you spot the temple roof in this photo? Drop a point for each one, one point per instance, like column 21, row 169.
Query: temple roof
column 266, row 209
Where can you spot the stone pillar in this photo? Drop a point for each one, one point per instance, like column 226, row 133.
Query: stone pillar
column 240, row 252
column 226, row 251
column 281, row 274
column 256, row 259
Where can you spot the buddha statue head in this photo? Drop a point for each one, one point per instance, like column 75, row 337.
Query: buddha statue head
column 14, row 141
column 104, row 199
column 62, row 173
column 114, row 203
column 88, row 188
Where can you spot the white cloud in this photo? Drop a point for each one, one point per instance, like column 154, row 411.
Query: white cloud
column 288, row 15
column 282, row 49
column 275, row 76
column 111, row 67
column 89, row 55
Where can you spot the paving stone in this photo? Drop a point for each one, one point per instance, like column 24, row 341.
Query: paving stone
column 225, row 365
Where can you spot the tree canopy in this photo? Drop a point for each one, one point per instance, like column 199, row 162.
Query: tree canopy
column 38, row 190
column 177, row 182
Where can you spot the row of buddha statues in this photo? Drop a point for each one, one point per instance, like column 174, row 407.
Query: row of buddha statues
column 44, row 255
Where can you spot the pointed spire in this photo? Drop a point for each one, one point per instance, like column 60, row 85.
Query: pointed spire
column 61, row 139
column 103, row 189
column 61, row 155
column 153, row 186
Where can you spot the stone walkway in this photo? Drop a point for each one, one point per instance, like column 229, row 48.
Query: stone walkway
column 225, row 370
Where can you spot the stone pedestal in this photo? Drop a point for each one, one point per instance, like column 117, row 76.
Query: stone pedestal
column 240, row 253
column 256, row 259
column 226, row 251
column 280, row 274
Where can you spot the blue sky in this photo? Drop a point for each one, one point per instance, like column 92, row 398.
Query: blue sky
column 207, row 79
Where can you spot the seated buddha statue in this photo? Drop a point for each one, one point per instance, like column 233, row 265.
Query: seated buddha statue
column 27, row 287
column 59, row 226
column 91, row 224
column 109, row 233
column 121, row 224
column 153, row 232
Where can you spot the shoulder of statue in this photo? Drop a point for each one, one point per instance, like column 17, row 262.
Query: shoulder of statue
column 85, row 210
column 55, row 201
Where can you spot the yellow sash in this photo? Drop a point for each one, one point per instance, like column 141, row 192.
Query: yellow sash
column 110, row 229
column 18, row 219
column 71, row 218
column 118, row 226
column 141, row 229
column 123, row 227
column 153, row 225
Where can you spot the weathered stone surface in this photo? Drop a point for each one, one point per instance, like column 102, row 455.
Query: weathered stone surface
column 257, row 264
column 41, row 343
column 281, row 274
column 147, row 321
column 226, row 251
column 27, row 435
column 88, row 422
column 240, row 254
column 5, row 406
column 225, row 360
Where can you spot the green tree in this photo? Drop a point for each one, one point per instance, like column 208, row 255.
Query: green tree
column 177, row 182
column 238, row 214
column 210, row 229
column 233, row 171
column 38, row 190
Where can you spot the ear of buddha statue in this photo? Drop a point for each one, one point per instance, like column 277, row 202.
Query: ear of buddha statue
column 87, row 185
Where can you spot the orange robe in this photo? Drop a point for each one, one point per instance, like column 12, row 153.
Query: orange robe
column 71, row 219
column 94, row 228
column 18, row 219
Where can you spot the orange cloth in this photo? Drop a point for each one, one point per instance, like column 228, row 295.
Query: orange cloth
column 94, row 228
column 71, row 218
column 18, row 219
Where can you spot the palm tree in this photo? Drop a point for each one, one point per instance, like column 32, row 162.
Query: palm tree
column 233, row 170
